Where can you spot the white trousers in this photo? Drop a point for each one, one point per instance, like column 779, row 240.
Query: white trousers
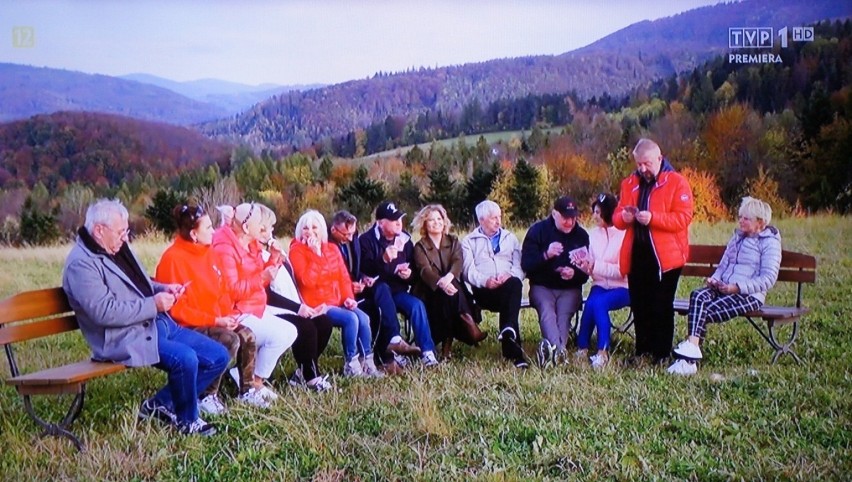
column 274, row 336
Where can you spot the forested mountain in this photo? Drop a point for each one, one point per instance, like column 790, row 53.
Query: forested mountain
column 611, row 66
column 99, row 150
column 28, row 91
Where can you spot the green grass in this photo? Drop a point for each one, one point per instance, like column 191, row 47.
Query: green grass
column 477, row 418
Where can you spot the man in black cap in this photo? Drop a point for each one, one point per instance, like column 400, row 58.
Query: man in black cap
column 550, row 254
column 386, row 256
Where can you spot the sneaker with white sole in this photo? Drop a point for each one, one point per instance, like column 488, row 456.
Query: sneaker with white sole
column 212, row 405
column 599, row 361
column 268, row 393
column 428, row 359
column 400, row 360
column 683, row 368
column 254, row 398
column 197, row 427
column 235, row 375
column 369, row 369
column 150, row 409
column 297, row 380
column 545, row 354
column 320, row 385
column 688, row 350
column 352, row 368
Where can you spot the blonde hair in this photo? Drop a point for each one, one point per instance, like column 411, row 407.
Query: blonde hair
column 756, row 209
column 244, row 213
column 419, row 221
column 313, row 216
column 267, row 215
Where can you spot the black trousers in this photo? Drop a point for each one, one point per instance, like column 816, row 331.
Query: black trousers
column 312, row 338
column 651, row 298
column 505, row 300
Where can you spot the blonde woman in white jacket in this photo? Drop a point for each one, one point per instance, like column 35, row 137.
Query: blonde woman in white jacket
column 609, row 287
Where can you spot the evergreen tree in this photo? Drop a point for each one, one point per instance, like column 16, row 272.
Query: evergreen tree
column 524, row 193
column 38, row 226
column 361, row 195
column 325, row 168
column 159, row 213
column 477, row 189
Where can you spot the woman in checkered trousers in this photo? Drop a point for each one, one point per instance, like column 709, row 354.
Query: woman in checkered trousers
column 748, row 269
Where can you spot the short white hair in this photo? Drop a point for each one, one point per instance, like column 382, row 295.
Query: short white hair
column 312, row 216
column 756, row 209
column 103, row 211
column 646, row 147
column 487, row 208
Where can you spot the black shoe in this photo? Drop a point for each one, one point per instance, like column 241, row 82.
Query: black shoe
column 637, row 361
column 198, row 427
column 521, row 363
column 150, row 409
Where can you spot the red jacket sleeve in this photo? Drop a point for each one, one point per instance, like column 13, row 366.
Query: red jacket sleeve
column 679, row 214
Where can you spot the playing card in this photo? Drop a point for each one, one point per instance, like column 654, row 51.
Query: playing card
column 579, row 254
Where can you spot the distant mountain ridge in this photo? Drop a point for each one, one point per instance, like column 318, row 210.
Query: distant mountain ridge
column 28, row 91
column 613, row 65
column 233, row 97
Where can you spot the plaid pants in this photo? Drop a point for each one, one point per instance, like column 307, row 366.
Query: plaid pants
column 706, row 305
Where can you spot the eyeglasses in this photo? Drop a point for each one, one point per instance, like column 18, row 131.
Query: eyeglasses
column 346, row 233
column 124, row 233
column 248, row 216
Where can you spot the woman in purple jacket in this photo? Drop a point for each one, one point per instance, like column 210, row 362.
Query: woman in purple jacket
column 748, row 269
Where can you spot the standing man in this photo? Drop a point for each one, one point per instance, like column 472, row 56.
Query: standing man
column 123, row 316
column 492, row 266
column 552, row 249
column 655, row 208
column 386, row 256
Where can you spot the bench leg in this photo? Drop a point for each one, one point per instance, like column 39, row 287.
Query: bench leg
column 60, row 429
column 780, row 348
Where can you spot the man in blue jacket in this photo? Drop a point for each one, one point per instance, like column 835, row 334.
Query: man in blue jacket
column 124, row 318
column 548, row 257
column 386, row 255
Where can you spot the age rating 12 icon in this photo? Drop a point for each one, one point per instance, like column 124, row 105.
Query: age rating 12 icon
column 23, row 37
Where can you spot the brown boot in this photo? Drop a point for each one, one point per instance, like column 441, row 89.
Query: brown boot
column 472, row 329
column 446, row 349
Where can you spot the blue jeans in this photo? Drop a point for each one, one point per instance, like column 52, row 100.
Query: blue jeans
column 414, row 309
column 354, row 328
column 191, row 361
column 596, row 315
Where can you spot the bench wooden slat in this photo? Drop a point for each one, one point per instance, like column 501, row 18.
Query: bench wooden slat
column 681, row 306
column 73, row 373
column 34, row 304
column 37, row 329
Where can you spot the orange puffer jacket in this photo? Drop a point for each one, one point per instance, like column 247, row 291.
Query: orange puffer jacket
column 242, row 270
column 321, row 278
column 671, row 204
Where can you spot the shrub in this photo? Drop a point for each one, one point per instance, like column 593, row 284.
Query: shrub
column 708, row 204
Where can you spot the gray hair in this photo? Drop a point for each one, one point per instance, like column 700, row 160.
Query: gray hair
column 103, row 211
column 645, row 147
column 344, row 218
column 486, row 208
column 312, row 216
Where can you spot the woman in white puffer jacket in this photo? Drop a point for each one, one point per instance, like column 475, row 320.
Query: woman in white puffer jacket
column 748, row 269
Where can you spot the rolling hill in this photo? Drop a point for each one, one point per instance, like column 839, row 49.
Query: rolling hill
column 613, row 65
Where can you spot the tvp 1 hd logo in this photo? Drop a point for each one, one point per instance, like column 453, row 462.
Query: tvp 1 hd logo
column 749, row 39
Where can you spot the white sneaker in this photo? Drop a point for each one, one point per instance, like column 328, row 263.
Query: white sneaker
column 683, row 367
column 400, row 360
column 599, row 361
column 254, row 398
column 368, row 367
column 320, row 385
column 688, row 350
column 352, row 368
column 235, row 375
column 428, row 359
column 211, row 405
column 267, row 393
column 198, row 427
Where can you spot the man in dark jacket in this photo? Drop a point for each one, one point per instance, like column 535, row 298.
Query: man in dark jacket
column 378, row 300
column 549, row 255
column 386, row 255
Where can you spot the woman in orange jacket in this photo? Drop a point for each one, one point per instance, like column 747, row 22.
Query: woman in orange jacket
column 324, row 281
column 205, row 305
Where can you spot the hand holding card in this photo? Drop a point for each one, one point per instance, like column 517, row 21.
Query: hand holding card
column 578, row 255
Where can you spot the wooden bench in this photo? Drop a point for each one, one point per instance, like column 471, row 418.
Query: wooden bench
column 795, row 267
column 38, row 314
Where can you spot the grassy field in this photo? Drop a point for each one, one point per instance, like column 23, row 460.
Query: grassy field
column 476, row 417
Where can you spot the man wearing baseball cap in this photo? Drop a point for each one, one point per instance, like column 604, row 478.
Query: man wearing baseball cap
column 549, row 257
column 387, row 253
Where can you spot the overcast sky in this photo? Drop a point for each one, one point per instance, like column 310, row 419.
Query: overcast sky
column 302, row 42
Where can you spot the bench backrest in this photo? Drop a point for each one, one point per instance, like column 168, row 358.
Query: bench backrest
column 795, row 267
column 35, row 314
